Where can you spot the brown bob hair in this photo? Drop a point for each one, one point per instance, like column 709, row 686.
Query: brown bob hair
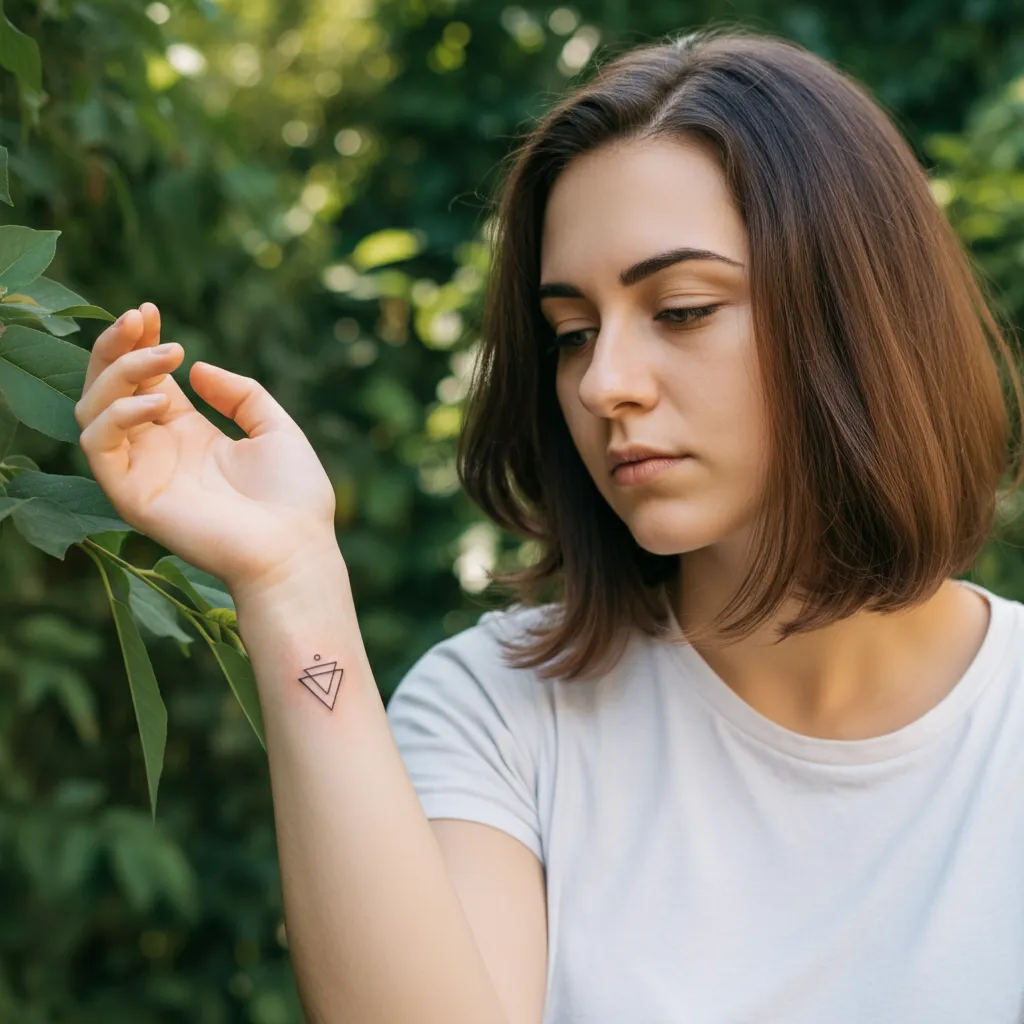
column 889, row 428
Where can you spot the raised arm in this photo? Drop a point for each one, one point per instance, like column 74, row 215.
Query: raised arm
column 377, row 930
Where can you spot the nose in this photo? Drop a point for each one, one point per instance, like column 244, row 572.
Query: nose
column 619, row 376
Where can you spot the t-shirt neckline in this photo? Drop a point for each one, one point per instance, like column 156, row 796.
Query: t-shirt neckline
column 727, row 703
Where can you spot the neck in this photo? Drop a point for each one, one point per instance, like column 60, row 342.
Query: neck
column 863, row 676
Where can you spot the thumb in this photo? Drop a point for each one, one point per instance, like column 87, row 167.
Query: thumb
column 242, row 399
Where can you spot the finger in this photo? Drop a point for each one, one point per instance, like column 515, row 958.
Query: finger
column 104, row 439
column 118, row 338
column 142, row 367
column 151, row 325
column 242, row 399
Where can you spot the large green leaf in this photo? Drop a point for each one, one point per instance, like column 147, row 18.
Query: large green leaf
column 19, row 54
column 24, row 254
column 57, row 511
column 238, row 671
column 41, row 378
column 150, row 712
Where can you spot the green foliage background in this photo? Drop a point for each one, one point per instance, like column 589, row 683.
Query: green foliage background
column 300, row 185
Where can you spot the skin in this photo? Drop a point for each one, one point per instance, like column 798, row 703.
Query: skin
column 633, row 374
column 249, row 510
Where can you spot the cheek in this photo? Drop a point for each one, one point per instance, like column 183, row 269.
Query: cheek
column 733, row 393
column 566, row 388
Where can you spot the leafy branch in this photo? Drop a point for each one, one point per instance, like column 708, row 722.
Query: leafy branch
column 41, row 380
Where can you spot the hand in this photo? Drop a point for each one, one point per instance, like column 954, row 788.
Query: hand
column 246, row 511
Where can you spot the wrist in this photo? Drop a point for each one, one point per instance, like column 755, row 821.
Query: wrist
column 305, row 574
column 304, row 611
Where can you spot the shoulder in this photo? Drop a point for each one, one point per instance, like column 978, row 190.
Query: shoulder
column 473, row 730
column 481, row 647
column 470, row 671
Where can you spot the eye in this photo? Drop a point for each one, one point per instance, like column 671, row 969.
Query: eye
column 677, row 316
column 683, row 315
column 570, row 339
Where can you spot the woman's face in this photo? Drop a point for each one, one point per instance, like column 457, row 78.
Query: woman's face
column 663, row 358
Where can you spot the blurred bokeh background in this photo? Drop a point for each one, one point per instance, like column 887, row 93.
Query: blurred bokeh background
column 301, row 185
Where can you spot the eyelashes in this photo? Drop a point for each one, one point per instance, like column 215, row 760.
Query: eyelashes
column 677, row 316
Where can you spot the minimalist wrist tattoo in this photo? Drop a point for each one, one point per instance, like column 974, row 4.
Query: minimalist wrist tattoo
column 323, row 681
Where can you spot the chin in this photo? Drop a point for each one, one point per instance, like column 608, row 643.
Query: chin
column 675, row 528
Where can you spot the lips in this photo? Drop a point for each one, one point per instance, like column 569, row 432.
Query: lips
column 616, row 457
column 642, row 470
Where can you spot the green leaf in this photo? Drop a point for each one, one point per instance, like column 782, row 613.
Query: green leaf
column 238, row 671
column 112, row 540
column 5, row 188
column 21, row 461
column 155, row 612
column 204, row 589
column 52, row 295
column 58, row 511
column 11, row 302
column 170, row 568
column 150, row 712
column 86, row 312
column 42, row 378
column 44, row 297
column 24, row 254
column 59, row 326
column 19, row 54
column 7, row 506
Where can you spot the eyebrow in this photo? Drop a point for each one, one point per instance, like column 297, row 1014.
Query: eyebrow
column 637, row 272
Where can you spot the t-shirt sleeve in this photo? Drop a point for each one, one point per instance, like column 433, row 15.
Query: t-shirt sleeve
column 466, row 725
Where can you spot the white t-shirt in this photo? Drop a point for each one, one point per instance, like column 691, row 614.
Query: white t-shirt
column 706, row 865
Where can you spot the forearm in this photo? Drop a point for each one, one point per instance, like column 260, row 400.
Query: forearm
column 375, row 927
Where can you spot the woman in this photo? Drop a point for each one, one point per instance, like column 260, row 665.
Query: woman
column 762, row 756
